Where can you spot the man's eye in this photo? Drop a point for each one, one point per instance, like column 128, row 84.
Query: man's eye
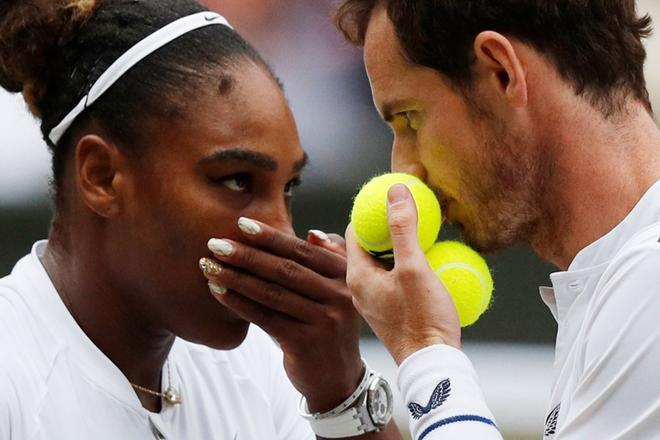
column 290, row 187
column 409, row 117
column 238, row 183
column 406, row 117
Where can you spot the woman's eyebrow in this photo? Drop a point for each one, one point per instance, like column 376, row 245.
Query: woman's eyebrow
column 255, row 158
column 300, row 164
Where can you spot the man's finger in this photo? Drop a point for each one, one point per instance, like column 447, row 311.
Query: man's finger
column 361, row 265
column 338, row 240
column 358, row 258
column 402, row 222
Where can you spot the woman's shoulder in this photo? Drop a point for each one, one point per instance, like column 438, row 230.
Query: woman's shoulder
column 16, row 317
column 27, row 353
column 24, row 338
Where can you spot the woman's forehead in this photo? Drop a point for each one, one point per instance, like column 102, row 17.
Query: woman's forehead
column 253, row 114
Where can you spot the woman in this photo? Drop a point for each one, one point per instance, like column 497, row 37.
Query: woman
column 166, row 128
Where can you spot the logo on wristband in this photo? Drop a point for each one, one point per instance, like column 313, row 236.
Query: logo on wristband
column 438, row 397
column 551, row 422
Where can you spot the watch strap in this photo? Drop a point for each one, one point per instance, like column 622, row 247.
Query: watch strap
column 346, row 424
column 350, row 418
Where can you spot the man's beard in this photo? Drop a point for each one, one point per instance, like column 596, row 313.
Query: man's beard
column 505, row 195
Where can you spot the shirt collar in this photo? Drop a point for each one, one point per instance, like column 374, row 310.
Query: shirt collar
column 568, row 285
column 645, row 213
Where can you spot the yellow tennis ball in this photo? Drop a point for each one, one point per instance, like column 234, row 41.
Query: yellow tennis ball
column 369, row 214
column 466, row 276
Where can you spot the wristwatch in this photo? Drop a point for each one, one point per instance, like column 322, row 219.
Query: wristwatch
column 368, row 409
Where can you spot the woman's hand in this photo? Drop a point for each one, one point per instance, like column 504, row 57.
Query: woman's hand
column 296, row 291
column 332, row 242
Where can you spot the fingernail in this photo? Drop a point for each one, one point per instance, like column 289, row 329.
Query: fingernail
column 209, row 266
column 248, row 226
column 220, row 247
column 320, row 235
column 217, row 289
column 398, row 193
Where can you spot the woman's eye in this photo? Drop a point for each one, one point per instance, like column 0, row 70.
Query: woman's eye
column 289, row 188
column 238, row 183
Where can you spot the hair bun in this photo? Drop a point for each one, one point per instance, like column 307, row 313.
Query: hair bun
column 30, row 31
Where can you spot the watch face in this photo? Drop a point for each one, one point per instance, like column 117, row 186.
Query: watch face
column 379, row 402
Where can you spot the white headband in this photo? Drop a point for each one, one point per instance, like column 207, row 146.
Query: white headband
column 133, row 56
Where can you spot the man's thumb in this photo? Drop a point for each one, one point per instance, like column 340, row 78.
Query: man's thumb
column 402, row 222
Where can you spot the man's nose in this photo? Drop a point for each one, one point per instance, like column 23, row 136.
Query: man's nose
column 405, row 160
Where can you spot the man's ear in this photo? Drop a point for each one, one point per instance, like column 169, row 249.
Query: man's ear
column 100, row 169
column 498, row 62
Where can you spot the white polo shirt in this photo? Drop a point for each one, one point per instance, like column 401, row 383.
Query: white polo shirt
column 607, row 362
column 56, row 384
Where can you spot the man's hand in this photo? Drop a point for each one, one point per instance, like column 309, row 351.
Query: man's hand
column 407, row 307
column 296, row 291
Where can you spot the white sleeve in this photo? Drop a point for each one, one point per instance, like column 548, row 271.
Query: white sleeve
column 618, row 394
column 5, row 419
column 441, row 391
column 12, row 411
column 5, row 412
column 8, row 396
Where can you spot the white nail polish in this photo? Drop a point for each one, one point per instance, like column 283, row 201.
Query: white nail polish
column 220, row 247
column 320, row 235
column 217, row 289
column 248, row 226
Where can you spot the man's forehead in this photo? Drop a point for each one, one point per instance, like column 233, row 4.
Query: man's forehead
column 383, row 60
column 381, row 44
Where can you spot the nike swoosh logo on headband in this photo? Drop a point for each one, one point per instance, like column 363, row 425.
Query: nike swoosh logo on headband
column 211, row 18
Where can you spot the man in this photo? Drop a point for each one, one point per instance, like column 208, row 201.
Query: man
column 532, row 122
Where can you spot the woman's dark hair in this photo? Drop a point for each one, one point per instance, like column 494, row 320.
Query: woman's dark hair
column 54, row 50
column 596, row 45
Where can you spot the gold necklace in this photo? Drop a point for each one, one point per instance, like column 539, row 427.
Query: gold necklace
column 170, row 395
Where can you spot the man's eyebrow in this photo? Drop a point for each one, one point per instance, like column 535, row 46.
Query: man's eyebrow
column 386, row 112
column 260, row 160
column 390, row 108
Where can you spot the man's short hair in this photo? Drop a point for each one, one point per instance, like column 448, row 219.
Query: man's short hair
column 595, row 45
